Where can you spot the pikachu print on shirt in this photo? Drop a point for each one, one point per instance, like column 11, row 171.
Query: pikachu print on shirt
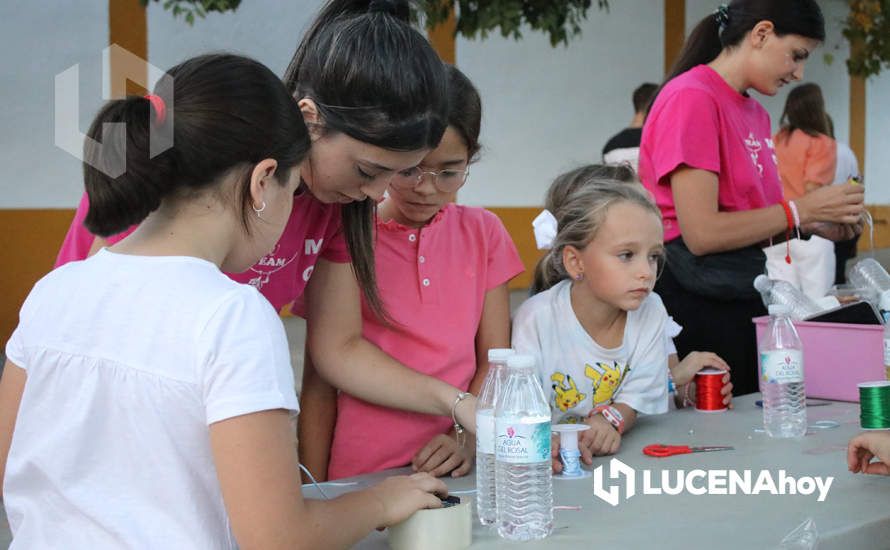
column 601, row 383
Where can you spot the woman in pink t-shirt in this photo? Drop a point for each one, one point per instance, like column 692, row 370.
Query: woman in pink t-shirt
column 707, row 157
column 443, row 272
column 807, row 158
column 371, row 112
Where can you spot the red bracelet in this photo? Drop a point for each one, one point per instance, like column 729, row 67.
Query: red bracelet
column 790, row 218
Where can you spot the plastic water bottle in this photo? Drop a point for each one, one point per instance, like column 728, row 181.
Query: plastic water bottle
column 867, row 273
column 781, row 370
column 522, row 454
column 486, row 496
column 782, row 292
column 887, row 349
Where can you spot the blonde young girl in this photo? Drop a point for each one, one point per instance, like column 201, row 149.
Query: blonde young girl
column 681, row 386
column 597, row 330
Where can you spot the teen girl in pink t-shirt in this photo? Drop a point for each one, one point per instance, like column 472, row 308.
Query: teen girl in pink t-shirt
column 371, row 113
column 443, row 272
column 707, row 157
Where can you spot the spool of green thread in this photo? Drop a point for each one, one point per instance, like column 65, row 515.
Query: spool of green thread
column 874, row 405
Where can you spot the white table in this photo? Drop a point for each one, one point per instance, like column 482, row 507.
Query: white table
column 855, row 513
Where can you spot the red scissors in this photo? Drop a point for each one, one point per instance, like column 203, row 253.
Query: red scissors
column 660, row 450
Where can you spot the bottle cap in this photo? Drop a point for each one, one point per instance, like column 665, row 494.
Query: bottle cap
column 500, row 355
column 568, row 435
column 779, row 309
column 762, row 283
column 521, row 362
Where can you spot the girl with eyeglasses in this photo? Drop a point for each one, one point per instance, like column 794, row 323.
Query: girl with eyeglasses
column 442, row 270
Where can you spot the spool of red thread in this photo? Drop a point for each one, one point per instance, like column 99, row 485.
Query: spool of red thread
column 708, row 383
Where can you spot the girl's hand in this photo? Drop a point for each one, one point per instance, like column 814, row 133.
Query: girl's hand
column 601, row 439
column 401, row 496
column 555, row 462
column 841, row 204
column 863, row 448
column 685, row 371
column 443, row 455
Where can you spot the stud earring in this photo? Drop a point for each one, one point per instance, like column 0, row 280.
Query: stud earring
column 260, row 209
column 579, row 276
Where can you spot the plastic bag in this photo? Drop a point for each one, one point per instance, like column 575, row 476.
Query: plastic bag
column 804, row 537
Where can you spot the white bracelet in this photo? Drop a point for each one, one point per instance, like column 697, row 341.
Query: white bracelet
column 794, row 213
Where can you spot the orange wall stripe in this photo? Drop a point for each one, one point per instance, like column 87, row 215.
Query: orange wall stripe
column 857, row 115
column 674, row 31
column 29, row 243
column 518, row 222
column 442, row 38
column 128, row 28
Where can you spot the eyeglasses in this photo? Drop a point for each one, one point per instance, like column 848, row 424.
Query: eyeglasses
column 446, row 181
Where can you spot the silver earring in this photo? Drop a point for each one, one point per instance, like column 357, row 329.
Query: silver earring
column 260, row 209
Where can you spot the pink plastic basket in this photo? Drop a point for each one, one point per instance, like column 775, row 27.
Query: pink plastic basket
column 836, row 356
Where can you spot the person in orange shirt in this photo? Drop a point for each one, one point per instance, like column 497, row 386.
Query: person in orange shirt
column 806, row 156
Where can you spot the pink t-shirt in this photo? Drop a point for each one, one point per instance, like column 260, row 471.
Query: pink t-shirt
column 433, row 282
column 700, row 121
column 313, row 231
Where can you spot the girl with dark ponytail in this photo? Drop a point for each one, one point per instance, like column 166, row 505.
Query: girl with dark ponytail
column 373, row 93
column 146, row 370
column 708, row 158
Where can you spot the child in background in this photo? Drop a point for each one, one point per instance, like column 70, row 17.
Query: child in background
column 164, row 381
column 681, row 374
column 807, row 158
column 443, row 271
column 597, row 330
column 866, row 446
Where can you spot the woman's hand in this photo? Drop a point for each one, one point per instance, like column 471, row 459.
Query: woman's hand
column 841, row 204
column 834, row 231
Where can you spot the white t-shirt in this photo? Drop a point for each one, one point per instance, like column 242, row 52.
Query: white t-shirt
column 129, row 359
column 847, row 166
column 578, row 374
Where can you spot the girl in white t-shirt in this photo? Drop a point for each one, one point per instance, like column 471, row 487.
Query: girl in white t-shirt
column 596, row 328
column 147, row 400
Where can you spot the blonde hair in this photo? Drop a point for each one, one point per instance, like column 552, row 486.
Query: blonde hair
column 579, row 200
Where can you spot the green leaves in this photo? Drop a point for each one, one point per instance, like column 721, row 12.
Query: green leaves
column 867, row 27
column 189, row 9
column 559, row 19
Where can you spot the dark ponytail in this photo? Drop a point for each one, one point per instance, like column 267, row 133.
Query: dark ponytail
column 730, row 24
column 223, row 113
column 376, row 79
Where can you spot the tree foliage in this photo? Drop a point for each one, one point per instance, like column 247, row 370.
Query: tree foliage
column 867, row 27
column 559, row 19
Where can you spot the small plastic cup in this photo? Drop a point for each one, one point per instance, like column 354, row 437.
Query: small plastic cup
column 569, row 454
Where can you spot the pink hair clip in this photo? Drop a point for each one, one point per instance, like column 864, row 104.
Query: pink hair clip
column 160, row 108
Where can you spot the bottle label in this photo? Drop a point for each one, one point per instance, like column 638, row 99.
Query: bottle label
column 887, row 352
column 522, row 443
column 485, row 431
column 782, row 366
